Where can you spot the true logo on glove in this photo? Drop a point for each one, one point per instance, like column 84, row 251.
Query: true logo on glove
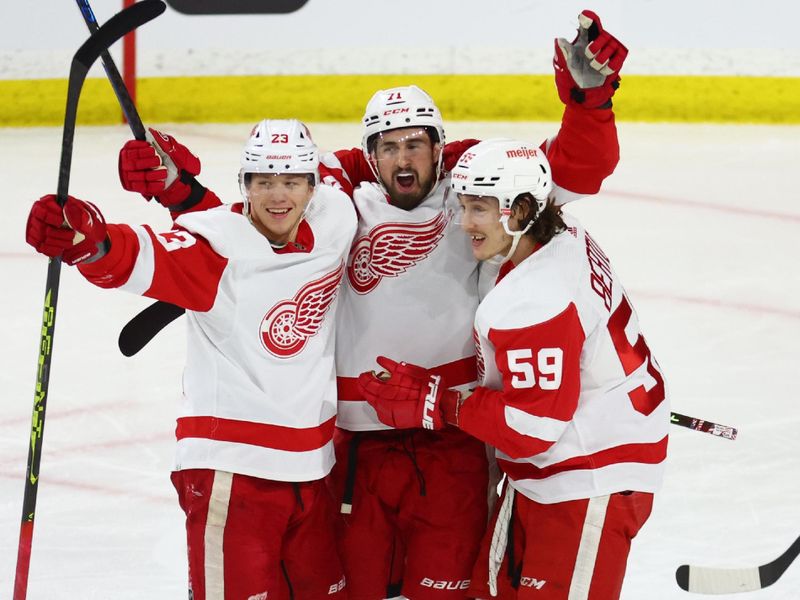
column 430, row 402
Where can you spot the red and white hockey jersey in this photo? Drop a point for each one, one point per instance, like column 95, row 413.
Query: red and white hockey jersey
column 411, row 286
column 570, row 394
column 410, row 291
column 259, row 394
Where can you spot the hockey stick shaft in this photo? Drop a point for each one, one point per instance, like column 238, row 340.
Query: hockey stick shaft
column 724, row 431
column 114, row 77
column 144, row 326
column 86, row 55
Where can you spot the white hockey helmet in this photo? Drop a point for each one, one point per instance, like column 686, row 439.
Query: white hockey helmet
column 398, row 107
column 279, row 146
column 504, row 169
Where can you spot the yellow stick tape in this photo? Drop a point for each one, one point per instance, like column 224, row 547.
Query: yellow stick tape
column 343, row 97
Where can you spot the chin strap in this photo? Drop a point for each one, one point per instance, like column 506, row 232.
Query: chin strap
column 517, row 235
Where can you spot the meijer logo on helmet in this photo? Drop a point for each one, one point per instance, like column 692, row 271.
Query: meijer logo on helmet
column 523, row 152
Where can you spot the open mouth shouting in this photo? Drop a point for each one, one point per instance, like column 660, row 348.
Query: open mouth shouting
column 406, row 181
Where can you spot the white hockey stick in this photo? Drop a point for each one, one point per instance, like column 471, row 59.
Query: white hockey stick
column 708, row 580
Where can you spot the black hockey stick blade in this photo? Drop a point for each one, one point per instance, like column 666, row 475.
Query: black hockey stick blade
column 709, row 580
column 116, row 27
column 143, row 327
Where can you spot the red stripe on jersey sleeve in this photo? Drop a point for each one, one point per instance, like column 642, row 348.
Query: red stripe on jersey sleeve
column 540, row 368
column 277, row 437
column 336, row 178
column 586, row 150
column 187, row 271
column 115, row 268
column 355, row 166
column 650, row 453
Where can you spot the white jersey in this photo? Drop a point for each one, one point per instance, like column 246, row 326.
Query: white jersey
column 259, row 395
column 570, row 394
column 410, row 293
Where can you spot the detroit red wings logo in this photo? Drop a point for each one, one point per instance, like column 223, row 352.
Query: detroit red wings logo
column 290, row 323
column 391, row 249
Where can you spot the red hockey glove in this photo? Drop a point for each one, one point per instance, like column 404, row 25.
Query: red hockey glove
column 408, row 396
column 159, row 167
column 453, row 151
column 76, row 232
column 587, row 70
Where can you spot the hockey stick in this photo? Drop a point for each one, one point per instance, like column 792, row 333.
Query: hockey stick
column 117, row 26
column 145, row 325
column 704, row 426
column 117, row 84
column 708, row 580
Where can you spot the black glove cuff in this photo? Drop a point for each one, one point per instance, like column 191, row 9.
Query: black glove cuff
column 196, row 193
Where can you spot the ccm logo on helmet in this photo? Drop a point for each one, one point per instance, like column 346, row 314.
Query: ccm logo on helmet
column 521, row 153
column 395, row 111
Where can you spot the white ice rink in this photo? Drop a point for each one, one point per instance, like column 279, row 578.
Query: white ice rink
column 702, row 223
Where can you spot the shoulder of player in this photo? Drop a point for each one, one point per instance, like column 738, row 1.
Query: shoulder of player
column 225, row 229
column 330, row 200
column 541, row 286
column 530, row 294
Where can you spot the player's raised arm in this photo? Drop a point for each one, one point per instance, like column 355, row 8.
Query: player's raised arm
column 586, row 149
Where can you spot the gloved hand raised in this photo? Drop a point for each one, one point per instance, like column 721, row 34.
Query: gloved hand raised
column 158, row 166
column 587, row 70
column 407, row 396
column 76, row 232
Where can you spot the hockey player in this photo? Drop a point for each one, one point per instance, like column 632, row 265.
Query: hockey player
column 412, row 286
column 259, row 281
column 570, row 394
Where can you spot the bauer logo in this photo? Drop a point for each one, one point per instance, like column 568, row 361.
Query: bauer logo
column 461, row 584
column 236, row 7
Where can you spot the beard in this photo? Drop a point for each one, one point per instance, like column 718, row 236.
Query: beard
column 410, row 196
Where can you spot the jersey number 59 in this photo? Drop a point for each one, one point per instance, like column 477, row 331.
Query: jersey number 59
column 549, row 366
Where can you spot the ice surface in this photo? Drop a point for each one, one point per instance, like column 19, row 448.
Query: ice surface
column 701, row 222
